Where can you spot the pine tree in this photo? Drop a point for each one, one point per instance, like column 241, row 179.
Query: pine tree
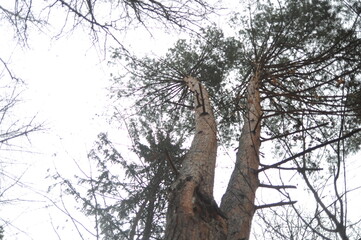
column 291, row 76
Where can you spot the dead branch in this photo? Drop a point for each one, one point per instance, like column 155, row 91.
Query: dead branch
column 277, row 186
column 282, row 203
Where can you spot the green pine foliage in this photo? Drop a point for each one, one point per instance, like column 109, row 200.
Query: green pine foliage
column 160, row 93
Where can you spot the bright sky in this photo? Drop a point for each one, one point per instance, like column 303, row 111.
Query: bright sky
column 65, row 88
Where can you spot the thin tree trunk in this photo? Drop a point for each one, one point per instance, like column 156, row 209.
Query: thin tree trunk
column 238, row 201
column 192, row 211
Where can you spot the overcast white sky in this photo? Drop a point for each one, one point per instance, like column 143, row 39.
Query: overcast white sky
column 65, row 88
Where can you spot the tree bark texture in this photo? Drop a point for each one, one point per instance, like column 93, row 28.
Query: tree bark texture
column 238, row 200
column 192, row 212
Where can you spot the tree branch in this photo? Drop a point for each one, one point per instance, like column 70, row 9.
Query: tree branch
column 276, row 186
column 275, row 204
column 309, row 150
column 171, row 163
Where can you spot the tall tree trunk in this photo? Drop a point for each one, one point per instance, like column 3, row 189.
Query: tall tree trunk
column 192, row 212
column 238, row 201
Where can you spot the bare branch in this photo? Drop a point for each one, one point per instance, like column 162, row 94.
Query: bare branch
column 277, row 187
column 275, row 204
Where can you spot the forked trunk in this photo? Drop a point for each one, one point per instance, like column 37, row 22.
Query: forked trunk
column 238, row 201
column 192, row 211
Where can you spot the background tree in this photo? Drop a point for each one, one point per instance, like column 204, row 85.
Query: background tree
column 14, row 132
column 128, row 197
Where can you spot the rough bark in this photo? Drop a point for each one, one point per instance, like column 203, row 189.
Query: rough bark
column 192, row 212
column 238, row 201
